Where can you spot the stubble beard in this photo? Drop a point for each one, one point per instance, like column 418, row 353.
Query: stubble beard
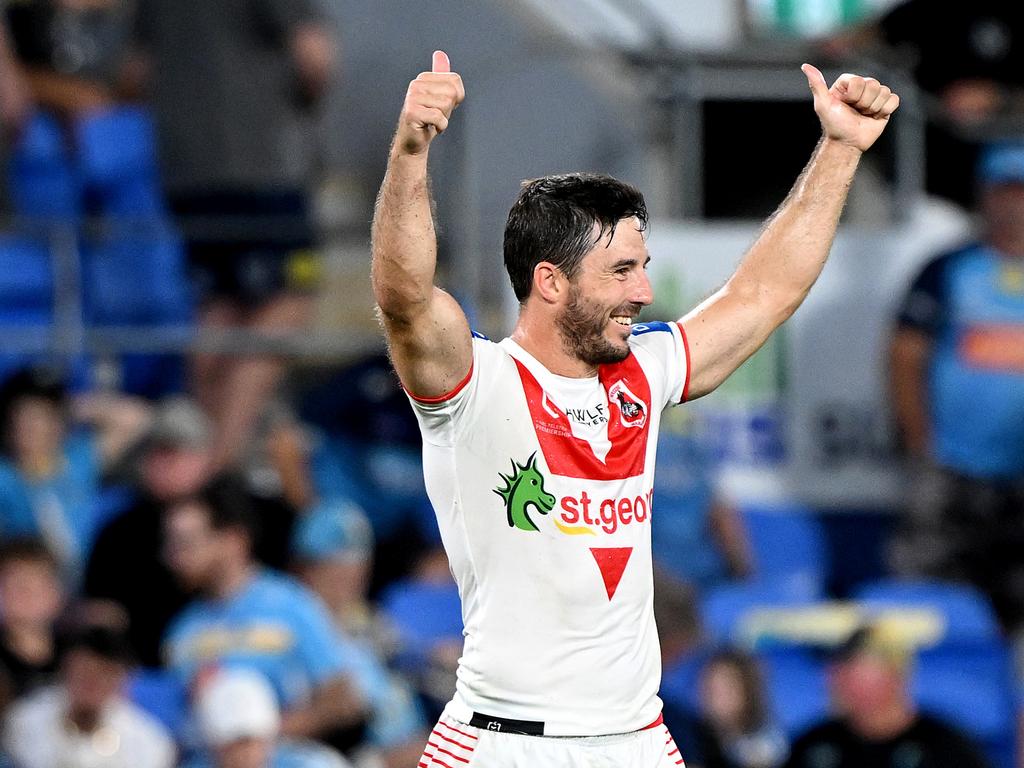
column 581, row 328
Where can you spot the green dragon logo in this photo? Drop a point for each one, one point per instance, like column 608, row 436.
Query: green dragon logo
column 525, row 486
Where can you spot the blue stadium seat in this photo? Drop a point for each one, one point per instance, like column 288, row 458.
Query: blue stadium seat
column 971, row 687
column 788, row 544
column 724, row 608
column 968, row 614
column 43, row 180
column 161, row 694
column 796, row 686
column 424, row 614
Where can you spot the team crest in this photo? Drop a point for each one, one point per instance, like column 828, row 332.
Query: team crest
column 632, row 410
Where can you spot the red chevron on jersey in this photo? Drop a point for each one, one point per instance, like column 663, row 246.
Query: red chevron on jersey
column 626, row 387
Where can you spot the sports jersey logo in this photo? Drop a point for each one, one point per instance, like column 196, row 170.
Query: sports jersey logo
column 632, row 410
column 524, row 488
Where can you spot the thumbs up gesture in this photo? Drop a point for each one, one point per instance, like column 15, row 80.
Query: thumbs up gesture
column 855, row 110
column 429, row 103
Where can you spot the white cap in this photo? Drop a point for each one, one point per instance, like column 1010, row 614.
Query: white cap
column 236, row 703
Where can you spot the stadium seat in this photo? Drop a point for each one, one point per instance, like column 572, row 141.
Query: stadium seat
column 160, row 694
column 967, row 613
column 424, row 614
column 43, row 180
column 788, row 544
column 971, row 687
column 724, row 608
column 796, row 686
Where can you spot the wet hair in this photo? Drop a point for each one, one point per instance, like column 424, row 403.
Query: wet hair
column 553, row 220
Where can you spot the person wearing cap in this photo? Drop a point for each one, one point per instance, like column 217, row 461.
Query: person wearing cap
column 239, row 723
column 125, row 564
column 333, row 548
column 957, row 387
column 85, row 721
column 876, row 724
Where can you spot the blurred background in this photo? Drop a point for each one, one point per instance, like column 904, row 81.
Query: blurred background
column 215, row 545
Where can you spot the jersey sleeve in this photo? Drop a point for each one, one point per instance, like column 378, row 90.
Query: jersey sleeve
column 665, row 354
column 444, row 417
column 924, row 306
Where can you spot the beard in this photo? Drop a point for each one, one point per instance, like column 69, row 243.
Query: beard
column 581, row 326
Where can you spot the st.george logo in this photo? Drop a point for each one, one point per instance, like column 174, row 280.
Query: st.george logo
column 522, row 489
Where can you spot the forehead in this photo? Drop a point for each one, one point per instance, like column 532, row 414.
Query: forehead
column 626, row 242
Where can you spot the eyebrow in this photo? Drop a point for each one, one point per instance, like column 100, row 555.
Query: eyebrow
column 629, row 262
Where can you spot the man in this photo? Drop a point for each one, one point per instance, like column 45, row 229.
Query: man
column 545, row 510
column 247, row 616
column 85, row 720
column 877, row 725
column 33, row 598
column 239, row 721
column 125, row 565
column 957, row 365
column 234, row 85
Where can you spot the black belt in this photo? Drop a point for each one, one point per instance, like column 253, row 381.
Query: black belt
column 507, row 725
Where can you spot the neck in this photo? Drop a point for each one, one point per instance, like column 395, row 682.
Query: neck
column 232, row 578
column 885, row 722
column 540, row 337
column 84, row 720
column 30, row 642
column 36, row 465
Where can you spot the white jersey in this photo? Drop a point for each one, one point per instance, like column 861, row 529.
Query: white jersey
column 542, row 486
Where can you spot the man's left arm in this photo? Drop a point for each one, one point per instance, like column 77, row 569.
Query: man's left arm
column 782, row 265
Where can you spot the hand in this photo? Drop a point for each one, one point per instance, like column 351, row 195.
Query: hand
column 429, row 103
column 855, row 110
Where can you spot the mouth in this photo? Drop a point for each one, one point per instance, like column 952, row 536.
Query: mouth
column 623, row 320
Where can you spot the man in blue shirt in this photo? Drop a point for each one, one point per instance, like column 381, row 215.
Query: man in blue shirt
column 957, row 359
column 251, row 617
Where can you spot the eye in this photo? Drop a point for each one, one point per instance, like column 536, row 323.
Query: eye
column 533, row 482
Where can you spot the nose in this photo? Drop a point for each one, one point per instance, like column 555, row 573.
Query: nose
column 643, row 293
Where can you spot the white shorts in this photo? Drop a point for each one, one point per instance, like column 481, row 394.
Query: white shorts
column 454, row 744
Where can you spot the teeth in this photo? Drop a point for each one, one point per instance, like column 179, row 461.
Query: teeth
column 622, row 320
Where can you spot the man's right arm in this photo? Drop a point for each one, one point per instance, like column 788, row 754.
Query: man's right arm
column 428, row 336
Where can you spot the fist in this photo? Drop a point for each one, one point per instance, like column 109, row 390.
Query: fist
column 855, row 110
column 429, row 103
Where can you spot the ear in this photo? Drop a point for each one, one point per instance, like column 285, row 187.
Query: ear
column 549, row 282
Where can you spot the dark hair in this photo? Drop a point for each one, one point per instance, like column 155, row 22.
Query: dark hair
column 26, row 550
column 227, row 504
column 42, row 383
column 106, row 641
column 553, row 220
column 755, row 709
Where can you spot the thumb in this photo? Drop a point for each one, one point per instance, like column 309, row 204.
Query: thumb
column 440, row 62
column 815, row 80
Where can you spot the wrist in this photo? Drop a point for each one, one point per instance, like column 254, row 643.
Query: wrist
column 841, row 148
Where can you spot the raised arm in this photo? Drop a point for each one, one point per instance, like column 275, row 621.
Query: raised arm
column 428, row 336
column 782, row 265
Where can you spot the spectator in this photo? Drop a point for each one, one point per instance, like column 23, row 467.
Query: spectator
column 333, row 548
column 84, row 721
column 733, row 706
column 239, row 722
column 957, row 365
column 235, row 136
column 968, row 59
column 876, row 724
column 248, row 616
column 32, row 598
column 126, row 565
column 50, row 471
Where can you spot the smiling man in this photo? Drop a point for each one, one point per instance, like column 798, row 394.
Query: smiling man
column 539, row 450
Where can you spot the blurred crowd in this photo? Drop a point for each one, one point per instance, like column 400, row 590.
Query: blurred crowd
column 206, row 561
